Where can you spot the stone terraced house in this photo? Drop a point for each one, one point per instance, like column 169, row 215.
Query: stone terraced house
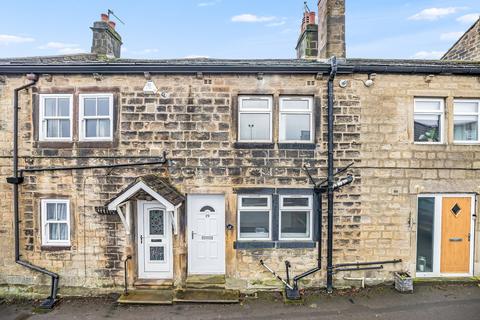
column 215, row 152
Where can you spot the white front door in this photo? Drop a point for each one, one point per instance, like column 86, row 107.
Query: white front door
column 206, row 234
column 154, row 238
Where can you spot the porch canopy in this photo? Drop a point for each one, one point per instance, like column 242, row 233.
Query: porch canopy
column 154, row 186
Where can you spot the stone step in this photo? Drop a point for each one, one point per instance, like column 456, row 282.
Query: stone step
column 148, row 284
column 206, row 296
column 160, row 297
column 205, row 282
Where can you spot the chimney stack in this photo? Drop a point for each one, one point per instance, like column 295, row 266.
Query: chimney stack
column 106, row 41
column 331, row 25
column 307, row 44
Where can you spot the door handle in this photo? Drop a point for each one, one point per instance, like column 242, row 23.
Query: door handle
column 193, row 234
column 141, row 239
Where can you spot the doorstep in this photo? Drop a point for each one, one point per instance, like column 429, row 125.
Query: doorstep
column 168, row 297
column 159, row 297
column 446, row 280
column 205, row 282
column 206, row 296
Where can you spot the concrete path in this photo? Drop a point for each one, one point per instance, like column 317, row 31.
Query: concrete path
column 427, row 303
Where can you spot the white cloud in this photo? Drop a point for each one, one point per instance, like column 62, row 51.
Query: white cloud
column 276, row 24
column 194, row 56
column 206, row 4
column 251, row 18
column 58, row 45
column 469, row 18
column 71, row 50
column 6, row 39
column 62, row 47
column 432, row 14
column 426, row 55
column 153, row 50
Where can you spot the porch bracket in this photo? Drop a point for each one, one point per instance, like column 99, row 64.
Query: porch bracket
column 125, row 219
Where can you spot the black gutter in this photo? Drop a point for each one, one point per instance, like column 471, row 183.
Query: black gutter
column 168, row 69
column 16, row 180
column 330, row 175
column 305, row 68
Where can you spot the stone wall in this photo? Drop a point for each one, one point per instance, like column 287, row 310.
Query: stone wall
column 395, row 170
column 375, row 217
column 467, row 48
column 196, row 126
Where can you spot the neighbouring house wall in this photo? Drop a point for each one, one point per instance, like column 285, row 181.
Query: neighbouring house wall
column 395, row 170
column 467, row 47
column 196, row 126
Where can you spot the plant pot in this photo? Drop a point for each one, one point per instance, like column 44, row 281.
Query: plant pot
column 403, row 282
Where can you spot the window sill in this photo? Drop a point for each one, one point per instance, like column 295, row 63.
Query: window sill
column 252, row 245
column 430, row 143
column 253, row 145
column 55, row 247
column 297, row 146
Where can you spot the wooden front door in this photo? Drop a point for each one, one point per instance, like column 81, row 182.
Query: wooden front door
column 455, row 250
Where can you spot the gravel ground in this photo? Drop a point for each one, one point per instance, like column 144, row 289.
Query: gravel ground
column 436, row 302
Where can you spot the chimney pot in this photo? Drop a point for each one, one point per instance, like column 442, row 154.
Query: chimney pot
column 307, row 44
column 106, row 41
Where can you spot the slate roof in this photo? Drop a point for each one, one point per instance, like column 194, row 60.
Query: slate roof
column 92, row 63
column 158, row 184
column 94, row 59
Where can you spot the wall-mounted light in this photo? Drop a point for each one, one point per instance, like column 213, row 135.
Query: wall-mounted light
column 150, row 87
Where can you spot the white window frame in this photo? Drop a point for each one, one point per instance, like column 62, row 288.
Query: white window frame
column 42, row 119
column 477, row 114
column 44, row 222
column 441, row 113
column 82, row 119
column 257, row 111
column 267, row 208
column 306, row 208
column 283, row 111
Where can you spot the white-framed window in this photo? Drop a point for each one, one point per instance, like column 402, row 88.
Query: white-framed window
column 296, row 119
column 96, row 117
column 296, row 216
column 55, row 117
column 254, row 217
column 55, row 216
column 255, row 118
column 466, row 116
column 428, row 120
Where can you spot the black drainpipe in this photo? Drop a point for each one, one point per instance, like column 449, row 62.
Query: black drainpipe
column 330, row 176
column 16, row 180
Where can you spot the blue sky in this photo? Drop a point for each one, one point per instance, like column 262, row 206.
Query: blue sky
column 231, row 28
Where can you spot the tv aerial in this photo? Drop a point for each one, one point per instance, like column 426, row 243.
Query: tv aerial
column 110, row 12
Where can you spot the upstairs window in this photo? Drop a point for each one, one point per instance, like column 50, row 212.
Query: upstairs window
column 55, row 117
column 296, row 217
column 296, row 119
column 428, row 120
column 255, row 119
column 466, row 115
column 96, row 117
column 55, row 222
column 254, row 217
